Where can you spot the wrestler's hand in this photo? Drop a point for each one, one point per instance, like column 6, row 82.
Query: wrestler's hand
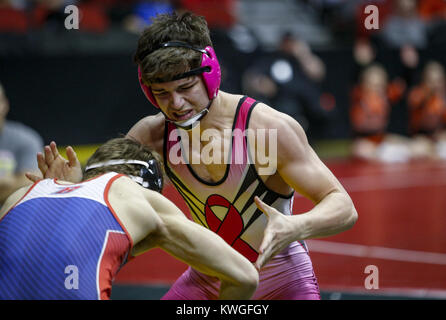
column 278, row 234
column 53, row 165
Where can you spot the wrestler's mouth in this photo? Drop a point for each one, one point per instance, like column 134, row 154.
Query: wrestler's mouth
column 180, row 116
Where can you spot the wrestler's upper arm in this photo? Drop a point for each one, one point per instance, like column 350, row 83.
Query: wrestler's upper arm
column 297, row 163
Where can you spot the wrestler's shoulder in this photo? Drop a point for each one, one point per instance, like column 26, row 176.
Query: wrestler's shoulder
column 152, row 122
column 266, row 117
column 149, row 129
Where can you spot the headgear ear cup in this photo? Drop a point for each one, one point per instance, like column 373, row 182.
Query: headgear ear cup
column 146, row 89
column 211, row 78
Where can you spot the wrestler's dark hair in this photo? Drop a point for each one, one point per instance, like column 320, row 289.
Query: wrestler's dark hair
column 120, row 148
column 161, row 65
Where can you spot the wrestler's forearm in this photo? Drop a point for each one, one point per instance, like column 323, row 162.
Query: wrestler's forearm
column 205, row 251
column 334, row 214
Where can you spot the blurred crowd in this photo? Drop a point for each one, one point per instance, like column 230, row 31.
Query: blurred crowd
column 21, row 16
column 19, row 145
column 291, row 77
column 410, row 82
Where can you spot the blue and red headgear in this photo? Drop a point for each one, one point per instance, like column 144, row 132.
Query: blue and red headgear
column 209, row 69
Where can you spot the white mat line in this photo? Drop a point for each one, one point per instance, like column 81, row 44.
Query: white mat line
column 367, row 183
column 394, row 254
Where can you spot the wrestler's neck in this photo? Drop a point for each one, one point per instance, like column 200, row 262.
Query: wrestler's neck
column 221, row 113
column 84, row 179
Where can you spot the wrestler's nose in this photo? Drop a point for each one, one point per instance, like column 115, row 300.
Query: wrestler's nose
column 177, row 101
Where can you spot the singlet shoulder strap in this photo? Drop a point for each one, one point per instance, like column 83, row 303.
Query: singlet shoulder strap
column 243, row 113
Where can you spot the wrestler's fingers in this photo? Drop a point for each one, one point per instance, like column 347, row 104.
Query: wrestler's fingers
column 49, row 158
column 72, row 157
column 262, row 259
column 41, row 163
column 262, row 206
column 258, row 263
column 54, row 150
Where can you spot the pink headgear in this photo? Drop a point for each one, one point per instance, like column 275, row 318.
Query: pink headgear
column 209, row 69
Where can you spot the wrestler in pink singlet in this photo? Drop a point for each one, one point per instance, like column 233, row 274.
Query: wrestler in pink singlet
column 227, row 207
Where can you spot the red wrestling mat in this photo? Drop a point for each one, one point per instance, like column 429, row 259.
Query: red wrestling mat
column 401, row 230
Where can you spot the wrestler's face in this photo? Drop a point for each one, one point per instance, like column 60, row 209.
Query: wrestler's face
column 181, row 99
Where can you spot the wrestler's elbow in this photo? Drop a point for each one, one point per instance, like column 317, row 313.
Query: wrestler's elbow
column 251, row 278
column 349, row 213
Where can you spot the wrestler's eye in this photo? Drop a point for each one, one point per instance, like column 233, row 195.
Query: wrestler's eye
column 187, row 86
column 160, row 94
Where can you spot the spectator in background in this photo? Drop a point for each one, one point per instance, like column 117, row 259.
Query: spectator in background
column 369, row 111
column 18, row 147
column 406, row 31
column 289, row 79
column 369, row 115
column 364, row 53
column 396, row 44
column 427, row 105
column 405, row 27
column 371, row 44
column 364, row 48
column 311, row 65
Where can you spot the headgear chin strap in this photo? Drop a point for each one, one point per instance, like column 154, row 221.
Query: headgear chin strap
column 209, row 69
column 189, row 124
column 150, row 176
